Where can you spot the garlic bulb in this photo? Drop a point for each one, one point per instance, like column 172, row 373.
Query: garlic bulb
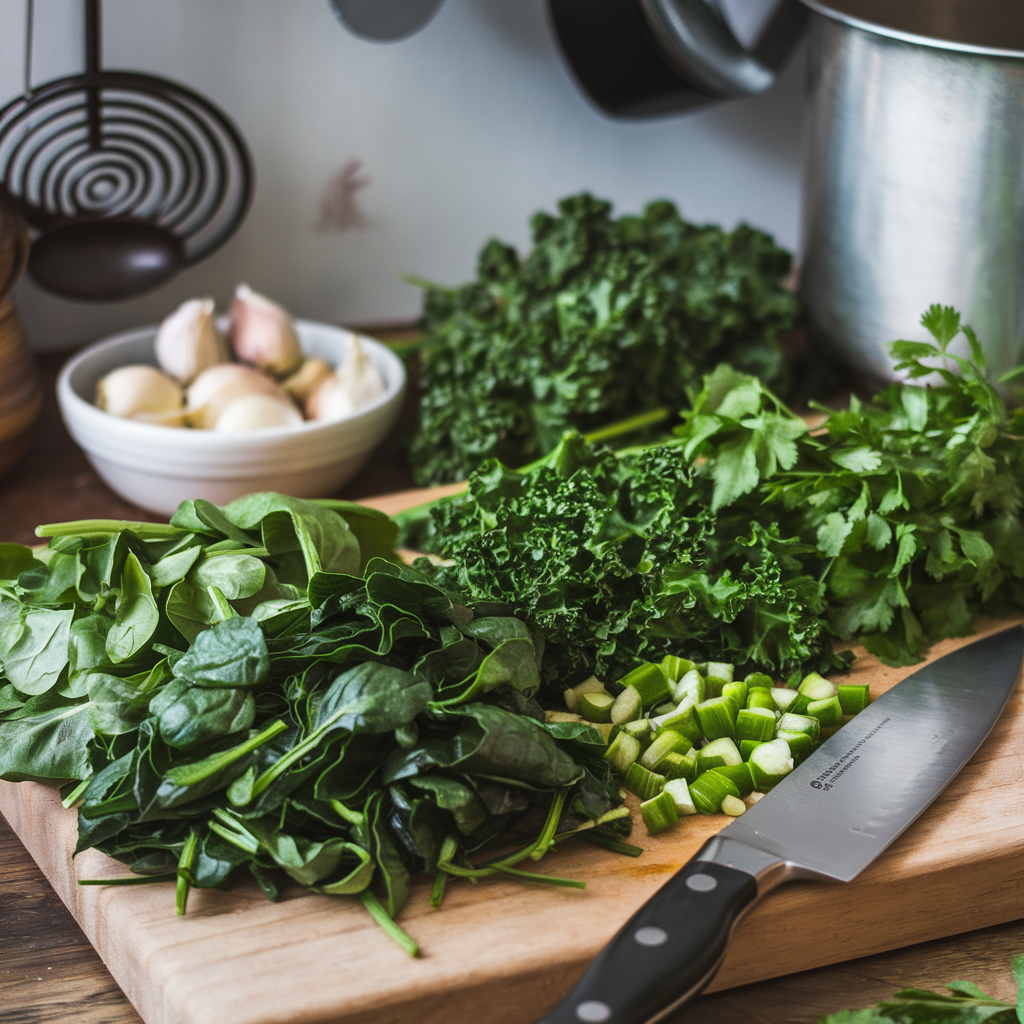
column 357, row 383
column 262, row 333
column 257, row 412
column 216, row 387
column 140, row 392
column 188, row 341
column 301, row 384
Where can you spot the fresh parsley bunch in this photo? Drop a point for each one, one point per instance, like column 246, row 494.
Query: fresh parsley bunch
column 602, row 319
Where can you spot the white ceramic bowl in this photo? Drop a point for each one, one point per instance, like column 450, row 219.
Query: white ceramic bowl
column 158, row 467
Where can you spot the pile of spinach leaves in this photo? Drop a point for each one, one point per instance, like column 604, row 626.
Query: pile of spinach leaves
column 603, row 319
column 749, row 539
column 260, row 687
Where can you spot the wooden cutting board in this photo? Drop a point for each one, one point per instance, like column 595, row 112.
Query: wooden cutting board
column 502, row 952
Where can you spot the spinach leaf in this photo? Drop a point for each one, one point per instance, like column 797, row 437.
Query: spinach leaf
column 232, row 653
column 137, row 613
column 48, row 745
column 236, row 575
column 33, row 645
column 372, row 698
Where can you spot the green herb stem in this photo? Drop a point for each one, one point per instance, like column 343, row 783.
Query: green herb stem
column 190, row 774
column 108, row 527
column 140, row 880
column 76, row 794
column 386, row 922
column 188, row 853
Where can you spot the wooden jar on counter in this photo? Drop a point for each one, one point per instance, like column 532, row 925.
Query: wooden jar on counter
column 21, row 392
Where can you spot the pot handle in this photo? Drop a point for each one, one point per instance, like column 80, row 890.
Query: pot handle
column 698, row 41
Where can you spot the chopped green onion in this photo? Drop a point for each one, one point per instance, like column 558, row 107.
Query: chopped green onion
column 737, row 693
column 801, row 745
column 668, row 741
column 590, row 685
column 721, row 670
column 675, row 668
column 759, row 681
column 692, row 685
column 755, row 724
column 606, row 729
column 853, row 697
column 622, row 752
column 739, row 775
column 572, row 702
column 641, row 730
column 827, row 712
column 813, row 687
column 761, row 698
column 709, row 790
column 659, row 813
column 747, row 747
column 714, row 685
column 596, row 707
column 682, row 719
column 733, row 806
column 678, row 766
column 783, row 697
column 799, row 723
column 717, row 753
column 627, row 707
column 643, row 783
column 770, row 763
column 679, row 791
column 717, row 718
column 650, row 683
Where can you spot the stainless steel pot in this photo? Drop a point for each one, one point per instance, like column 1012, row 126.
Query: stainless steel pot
column 914, row 186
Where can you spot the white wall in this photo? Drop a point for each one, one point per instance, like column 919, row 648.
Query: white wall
column 464, row 130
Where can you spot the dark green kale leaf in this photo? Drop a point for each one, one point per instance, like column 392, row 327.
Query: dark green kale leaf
column 603, row 319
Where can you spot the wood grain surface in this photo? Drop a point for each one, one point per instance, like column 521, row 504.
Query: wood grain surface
column 953, row 872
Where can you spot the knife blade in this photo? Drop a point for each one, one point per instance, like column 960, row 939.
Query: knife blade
column 827, row 820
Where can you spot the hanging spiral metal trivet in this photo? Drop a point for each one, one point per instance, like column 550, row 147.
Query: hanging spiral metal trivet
column 126, row 145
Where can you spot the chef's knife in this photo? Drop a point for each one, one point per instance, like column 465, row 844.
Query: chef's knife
column 829, row 819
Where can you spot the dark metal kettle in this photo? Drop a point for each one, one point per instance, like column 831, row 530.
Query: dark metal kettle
column 637, row 58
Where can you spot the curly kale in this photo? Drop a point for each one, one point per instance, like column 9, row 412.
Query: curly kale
column 603, row 319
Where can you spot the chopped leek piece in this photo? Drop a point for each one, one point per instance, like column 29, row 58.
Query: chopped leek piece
column 721, row 669
column 709, row 790
column 622, row 752
column 596, row 707
column 783, row 697
column 733, row 806
column 770, row 763
column 799, row 723
column 606, row 729
column 643, row 783
column 759, row 681
column 827, row 712
column 755, row 724
column 678, row 766
column 801, row 745
column 717, row 718
column 737, row 693
column 627, row 707
column 650, row 683
column 668, row 741
column 853, row 697
column 640, row 729
column 760, row 698
column 747, row 747
column 691, row 685
column 675, row 668
column 714, row 684
column 680, row 793
column 682, row 719
column 572, row 702
column 659, row 813
column 813, row 687
column 739, row 775
column 718, row 752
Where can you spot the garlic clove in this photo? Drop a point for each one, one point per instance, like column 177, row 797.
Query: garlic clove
column 257, row 412
column 140, row 392
column 356, row 384
column 301, row 384
column 216, row 387
column 188, row 341
column 263, row 334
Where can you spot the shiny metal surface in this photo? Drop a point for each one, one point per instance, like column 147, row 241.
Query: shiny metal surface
column 913, row 193
column 866, row 784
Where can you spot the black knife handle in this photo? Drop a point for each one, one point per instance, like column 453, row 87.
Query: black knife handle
column 667, row 951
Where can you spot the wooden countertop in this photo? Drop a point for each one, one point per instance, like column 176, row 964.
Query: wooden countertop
column 49, row 973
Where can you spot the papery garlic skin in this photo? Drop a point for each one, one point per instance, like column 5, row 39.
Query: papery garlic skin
column 140, row 392
column 262, row 333
column 188, row 341
column 257, row 412
column 301, row 384
column 355, row 384
column 218, row 386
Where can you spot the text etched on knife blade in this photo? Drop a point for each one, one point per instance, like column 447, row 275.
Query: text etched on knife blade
column 828, row 778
